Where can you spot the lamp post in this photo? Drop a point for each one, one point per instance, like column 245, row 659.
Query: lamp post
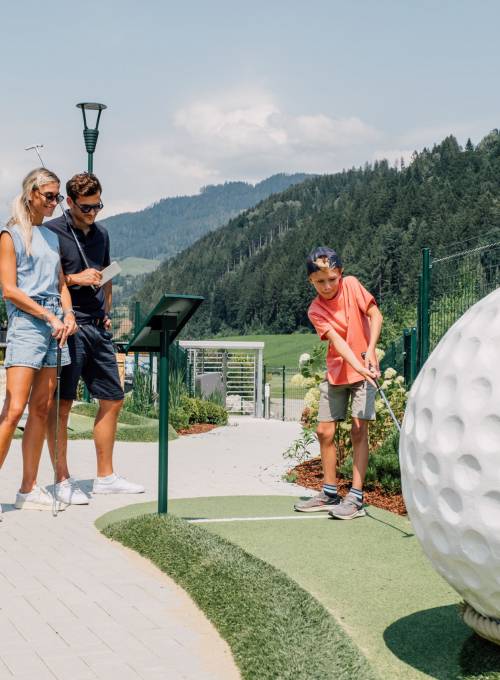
column 90, row 135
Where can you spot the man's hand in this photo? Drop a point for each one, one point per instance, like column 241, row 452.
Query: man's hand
column 87, row 277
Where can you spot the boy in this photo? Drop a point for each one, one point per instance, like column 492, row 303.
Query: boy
column 345, row 314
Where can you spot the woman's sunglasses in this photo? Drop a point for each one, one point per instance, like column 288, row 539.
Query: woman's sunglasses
column 50, row 197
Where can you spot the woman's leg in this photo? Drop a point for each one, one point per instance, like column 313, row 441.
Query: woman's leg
column 42, row 395
column 19, row 382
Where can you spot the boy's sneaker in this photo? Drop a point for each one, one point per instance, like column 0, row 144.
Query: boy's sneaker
column 318, row 503
column 69, row 493
column 348, row 509
column 115, row 484
column 37, row 499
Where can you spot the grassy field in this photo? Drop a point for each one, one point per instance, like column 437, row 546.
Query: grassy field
column 282, row 350
column 132, row 266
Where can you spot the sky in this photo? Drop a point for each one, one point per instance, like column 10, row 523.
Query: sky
column 201, row 92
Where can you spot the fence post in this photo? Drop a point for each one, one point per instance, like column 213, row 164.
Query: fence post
column 426, row 284
column 137, row 325
column 413, row 355
column 284, row 386
column 407, row 355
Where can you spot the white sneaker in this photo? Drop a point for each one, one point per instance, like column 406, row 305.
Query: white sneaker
column 37, row 499
column 69, row 492
column 115, row 484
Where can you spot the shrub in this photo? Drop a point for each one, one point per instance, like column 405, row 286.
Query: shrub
column 203, row 411
column 178, row 418
column 383, row 466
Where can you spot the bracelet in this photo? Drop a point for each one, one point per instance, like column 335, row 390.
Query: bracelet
column 69, row 311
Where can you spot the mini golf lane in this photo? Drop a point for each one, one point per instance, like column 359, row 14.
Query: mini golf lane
column 369, row 572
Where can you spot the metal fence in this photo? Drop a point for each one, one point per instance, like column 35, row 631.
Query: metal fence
column 286, row 400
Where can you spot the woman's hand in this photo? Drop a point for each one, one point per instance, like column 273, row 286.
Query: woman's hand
column 59, row 330
column 70, row 323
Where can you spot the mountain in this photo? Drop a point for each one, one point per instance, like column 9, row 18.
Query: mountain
column 252, row 273
column 171, row 225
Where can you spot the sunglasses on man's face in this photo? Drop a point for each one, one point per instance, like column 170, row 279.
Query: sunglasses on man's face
column 50, row 197
column 86, row 208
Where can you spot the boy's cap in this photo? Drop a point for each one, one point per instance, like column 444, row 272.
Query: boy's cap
column 321, row 259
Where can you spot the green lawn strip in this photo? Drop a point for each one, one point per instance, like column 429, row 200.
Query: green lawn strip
column 281, row 350
column 276, row 630
column 370, row 573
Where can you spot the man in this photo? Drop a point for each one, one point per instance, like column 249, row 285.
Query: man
column 84, row 248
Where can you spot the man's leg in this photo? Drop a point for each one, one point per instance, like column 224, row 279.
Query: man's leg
column 104, row 434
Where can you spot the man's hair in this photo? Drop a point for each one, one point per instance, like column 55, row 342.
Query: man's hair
column 321, row 259
column 83, row 184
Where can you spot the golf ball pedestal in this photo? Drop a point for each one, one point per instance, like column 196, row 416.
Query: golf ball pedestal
column 450, row 460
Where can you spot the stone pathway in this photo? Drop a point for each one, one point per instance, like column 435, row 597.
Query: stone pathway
column 74, row 606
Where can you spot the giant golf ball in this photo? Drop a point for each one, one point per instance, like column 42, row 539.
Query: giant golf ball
column 450, row 456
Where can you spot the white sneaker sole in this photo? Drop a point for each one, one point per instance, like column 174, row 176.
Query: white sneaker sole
column 110, row 491
column 358, row 513
column 31, row 505
column 86, row 502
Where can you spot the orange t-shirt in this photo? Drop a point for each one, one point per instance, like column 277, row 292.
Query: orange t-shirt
column 346, row 314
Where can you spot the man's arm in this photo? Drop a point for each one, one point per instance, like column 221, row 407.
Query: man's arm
column 108, row 300
column 87, row 277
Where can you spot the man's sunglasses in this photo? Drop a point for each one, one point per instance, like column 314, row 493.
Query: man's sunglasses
column 50, row 197
column 88, row 208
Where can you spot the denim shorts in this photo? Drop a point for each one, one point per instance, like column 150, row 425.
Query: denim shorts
column 29, row 339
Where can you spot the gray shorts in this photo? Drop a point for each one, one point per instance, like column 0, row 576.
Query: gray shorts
column 333, row 401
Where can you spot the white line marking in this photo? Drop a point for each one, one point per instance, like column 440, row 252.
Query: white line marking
column 254, row 519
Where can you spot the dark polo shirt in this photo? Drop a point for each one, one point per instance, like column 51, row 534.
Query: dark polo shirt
column 88, row 304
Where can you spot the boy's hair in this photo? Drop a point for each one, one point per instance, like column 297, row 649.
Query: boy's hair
column 322, row 258
column 83, row 184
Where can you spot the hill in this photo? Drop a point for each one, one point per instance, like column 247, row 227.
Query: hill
column 171, row 225
column 252, row 272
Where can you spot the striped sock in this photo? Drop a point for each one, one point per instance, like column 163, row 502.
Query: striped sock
column 357, row 493
column 330, row 490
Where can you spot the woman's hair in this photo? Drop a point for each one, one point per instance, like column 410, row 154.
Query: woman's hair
column 21, row 214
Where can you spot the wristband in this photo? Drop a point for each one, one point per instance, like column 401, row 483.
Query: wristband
column 69, row 311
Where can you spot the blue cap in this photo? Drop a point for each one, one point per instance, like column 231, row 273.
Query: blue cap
column 322, row 258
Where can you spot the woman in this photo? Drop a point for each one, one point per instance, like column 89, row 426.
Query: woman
column 40, row 317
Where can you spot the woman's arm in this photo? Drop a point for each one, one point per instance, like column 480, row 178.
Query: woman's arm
column 68, row 313
column 8, row 281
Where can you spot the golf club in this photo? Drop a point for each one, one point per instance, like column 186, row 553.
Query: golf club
column 386, row 401
column 56, row 434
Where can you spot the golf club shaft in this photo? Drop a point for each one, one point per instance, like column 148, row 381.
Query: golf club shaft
column 56, row 433
column 386, row 401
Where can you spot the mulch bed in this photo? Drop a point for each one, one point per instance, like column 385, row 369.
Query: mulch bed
column 310, row 475
column 197, row 428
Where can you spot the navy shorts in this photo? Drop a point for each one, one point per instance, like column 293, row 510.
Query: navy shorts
column 92, row 359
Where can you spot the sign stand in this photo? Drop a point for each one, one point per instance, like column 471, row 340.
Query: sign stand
column 156, row 334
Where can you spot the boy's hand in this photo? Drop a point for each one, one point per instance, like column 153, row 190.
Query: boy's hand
column 371, row 361
column 369, row 375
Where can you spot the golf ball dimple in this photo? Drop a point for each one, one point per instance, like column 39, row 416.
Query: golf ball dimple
column 450, row 456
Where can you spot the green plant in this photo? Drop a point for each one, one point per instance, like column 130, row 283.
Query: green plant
column 203, row 411
column 143, row 399
column 178, row 418
column 177, row 387
column 299, row 450
column 383, row 466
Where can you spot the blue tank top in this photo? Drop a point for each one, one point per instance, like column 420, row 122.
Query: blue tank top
column 38, row 273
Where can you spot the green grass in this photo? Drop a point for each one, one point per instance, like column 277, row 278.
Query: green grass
column 132, row 266
column 370, row 574
column 275, row 629
column 131, row 427
column 282, row 350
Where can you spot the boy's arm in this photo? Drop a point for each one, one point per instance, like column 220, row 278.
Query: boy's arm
column 343, row 350
column 376, row 318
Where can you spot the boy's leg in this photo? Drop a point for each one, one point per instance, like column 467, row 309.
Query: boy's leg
column 332, row 407
column 363, row 408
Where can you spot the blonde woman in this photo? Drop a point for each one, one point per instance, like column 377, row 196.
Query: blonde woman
column 40, row 318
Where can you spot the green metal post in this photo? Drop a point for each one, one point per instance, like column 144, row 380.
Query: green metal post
column 90, row 163
column 284, row 386
column 163, row 424
column 137, row 325
column 413, row 356
column 426, row 283
column 407, row 355
column 419, row 322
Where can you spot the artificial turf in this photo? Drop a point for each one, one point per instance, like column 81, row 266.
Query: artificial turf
column 276, row 630
column 370, row 574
